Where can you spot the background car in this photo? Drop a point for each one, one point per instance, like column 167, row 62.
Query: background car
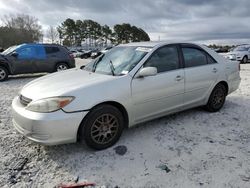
column 95, row 53
column 76, row 53
column 85, row 54
column 34, row 58
column 104, row 50
column 240, row 53
column 128, row 85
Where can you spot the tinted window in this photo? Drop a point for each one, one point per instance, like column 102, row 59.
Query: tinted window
column 50, row 50
column 26, row 52
column 194, row 57
column 164, row 59
column 240, row 48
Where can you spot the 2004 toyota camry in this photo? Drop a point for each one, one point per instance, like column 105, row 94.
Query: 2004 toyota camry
column 129, row 84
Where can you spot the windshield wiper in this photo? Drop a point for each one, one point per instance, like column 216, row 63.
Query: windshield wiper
column 112, row 68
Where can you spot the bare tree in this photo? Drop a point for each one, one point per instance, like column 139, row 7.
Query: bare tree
column 52, row 34
column 19, row 29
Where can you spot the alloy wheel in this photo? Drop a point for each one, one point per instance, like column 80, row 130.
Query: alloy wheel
column 104, row 129
column 2, row 74
column 218, row 98
column 61, row 67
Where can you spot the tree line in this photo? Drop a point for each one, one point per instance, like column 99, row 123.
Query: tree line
column 17, row 29
column 73, row 32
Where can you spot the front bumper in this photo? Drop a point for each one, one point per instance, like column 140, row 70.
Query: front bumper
column 46, row 128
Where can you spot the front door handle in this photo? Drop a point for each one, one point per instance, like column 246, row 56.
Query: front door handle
column 179, row 78
column 214, row 70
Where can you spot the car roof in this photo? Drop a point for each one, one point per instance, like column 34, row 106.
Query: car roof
column 153, row 44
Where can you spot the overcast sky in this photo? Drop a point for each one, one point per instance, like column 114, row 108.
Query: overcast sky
column 206, row 21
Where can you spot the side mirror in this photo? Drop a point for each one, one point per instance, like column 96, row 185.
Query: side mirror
column 14, row 54
column 147, row 71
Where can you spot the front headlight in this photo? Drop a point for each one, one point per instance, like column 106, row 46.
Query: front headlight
column 232, row 56
column 49, row 104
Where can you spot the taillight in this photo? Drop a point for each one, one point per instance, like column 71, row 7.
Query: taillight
column 71, row 56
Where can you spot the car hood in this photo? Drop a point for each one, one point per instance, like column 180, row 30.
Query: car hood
column 62, row 83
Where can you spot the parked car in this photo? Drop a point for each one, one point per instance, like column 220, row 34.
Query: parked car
column 86, row 54
column 34, row 58
column 76, row 53
column 104, row 50
column 95, row 53
column 221, row 50
column 240, row 53
column 130, row 84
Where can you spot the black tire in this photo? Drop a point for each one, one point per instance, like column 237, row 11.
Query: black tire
column 244, row 60
column 4, row 73
column 61, row 67
column 95, row 129
column 217, row 98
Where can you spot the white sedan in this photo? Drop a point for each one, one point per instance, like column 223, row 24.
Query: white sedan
column 129, row 84
column 240, row 53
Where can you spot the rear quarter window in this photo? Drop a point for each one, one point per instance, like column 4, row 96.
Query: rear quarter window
column 195, row 57
column 51, row 50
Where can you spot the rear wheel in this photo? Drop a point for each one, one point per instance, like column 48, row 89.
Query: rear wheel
column 244, row 60
column 61, row 67
column 217, row 98
column 102, row 127
column 3, row 74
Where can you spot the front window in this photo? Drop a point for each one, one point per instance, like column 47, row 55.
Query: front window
column 164, row 59
column 118, row 61
column 26, row 52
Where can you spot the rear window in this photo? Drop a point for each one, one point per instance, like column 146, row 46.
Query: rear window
column 51, row 50
column 194, row 57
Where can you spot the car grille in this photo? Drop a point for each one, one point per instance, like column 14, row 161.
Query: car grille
column 24, row 100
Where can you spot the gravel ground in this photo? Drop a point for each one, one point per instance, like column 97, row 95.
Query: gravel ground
column 189, row 149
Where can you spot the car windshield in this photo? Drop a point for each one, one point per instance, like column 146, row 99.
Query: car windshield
column 10, row 49
column 118, row 61
column 240, row 48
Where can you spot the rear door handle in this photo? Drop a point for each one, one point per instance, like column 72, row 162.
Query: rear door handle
column 214, row 70
column 179, row 78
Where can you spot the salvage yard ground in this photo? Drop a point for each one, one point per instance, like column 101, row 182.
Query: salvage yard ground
column 193, row 148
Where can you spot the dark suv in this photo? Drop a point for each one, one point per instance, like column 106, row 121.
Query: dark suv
column 34, row 58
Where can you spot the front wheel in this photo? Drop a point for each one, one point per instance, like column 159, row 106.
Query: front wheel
column 217, row 98
column 244, row 60
column 102, row 127
column 3, row 74
column 61, row 67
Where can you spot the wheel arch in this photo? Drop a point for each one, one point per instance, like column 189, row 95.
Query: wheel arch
column 6, row 66
column 244, row 57
column 118, row 105
column 223, row 83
